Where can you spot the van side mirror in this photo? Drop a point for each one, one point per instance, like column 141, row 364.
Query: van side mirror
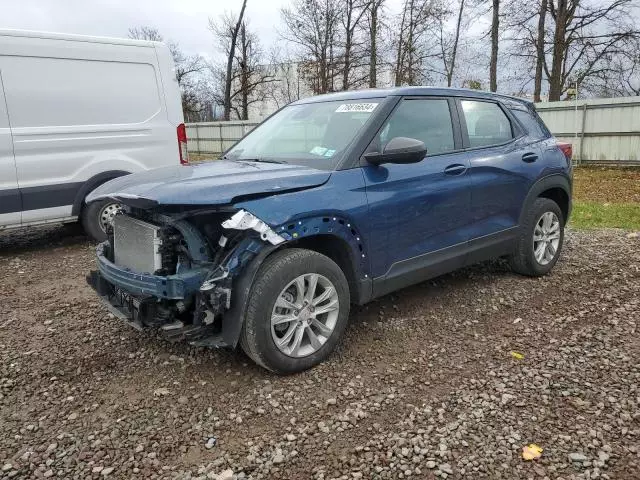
column 399, row 150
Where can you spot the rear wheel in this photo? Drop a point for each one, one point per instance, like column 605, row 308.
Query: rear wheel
column 97, row 216
column 298, row 309
column 540, row 241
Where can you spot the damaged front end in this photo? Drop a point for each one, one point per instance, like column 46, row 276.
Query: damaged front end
column 186, row 275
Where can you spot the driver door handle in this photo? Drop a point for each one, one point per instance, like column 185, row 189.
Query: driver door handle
column 455, row 169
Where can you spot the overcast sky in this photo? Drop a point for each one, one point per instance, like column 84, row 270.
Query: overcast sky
column 182, row 21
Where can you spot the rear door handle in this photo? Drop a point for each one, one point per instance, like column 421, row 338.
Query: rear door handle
column 529, row 157
column 455, row 169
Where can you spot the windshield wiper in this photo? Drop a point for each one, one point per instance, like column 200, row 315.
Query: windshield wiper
column 260, row 160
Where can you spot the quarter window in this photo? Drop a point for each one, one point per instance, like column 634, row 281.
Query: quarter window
column 428, row 120
column 530, row 123
column 487, row 124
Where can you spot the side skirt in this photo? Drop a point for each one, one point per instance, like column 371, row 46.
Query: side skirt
column 429, row 265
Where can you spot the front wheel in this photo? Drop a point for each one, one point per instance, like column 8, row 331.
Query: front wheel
column 298, row 309
column 540, row 241
column 97, row 216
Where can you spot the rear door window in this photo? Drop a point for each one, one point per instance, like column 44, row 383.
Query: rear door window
column 486, row 123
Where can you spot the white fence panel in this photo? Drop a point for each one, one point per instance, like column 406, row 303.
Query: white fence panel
column 216, row 137
column 601, row 130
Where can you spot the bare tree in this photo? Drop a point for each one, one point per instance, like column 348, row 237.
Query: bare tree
column 410, row 45
column 227, row 29
column 620, row 76
column 495, row 30
column 144, row 32
column 353, row 12
column 253, row 73
column 584, row 36
column 311, row 26
column 250, row 71
column 540, row 51
column 454, row 50
column 374, row 11
column 185, row 64
column 286, row 87
column 446, row 54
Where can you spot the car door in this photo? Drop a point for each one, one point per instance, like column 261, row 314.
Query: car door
column 501, row 160
column 417, row 212
column 10, row 204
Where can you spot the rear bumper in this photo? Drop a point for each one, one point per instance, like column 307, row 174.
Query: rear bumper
column 171, row 287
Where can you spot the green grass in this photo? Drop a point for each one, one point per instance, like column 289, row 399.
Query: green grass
column 597, row 215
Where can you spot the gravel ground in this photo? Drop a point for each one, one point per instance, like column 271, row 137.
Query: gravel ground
column 424, row 385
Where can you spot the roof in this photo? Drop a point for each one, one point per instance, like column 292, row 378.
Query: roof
column 75, row 38
column 401, row 91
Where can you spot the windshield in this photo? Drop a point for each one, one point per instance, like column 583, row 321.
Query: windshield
column 310, row 134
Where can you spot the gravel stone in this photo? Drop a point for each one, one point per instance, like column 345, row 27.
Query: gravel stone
column 577, row 457
column 211, row 442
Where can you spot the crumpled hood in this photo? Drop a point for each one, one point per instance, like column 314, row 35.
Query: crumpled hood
column 212, row 183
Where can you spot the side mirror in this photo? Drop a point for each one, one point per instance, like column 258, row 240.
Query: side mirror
column 399, row 150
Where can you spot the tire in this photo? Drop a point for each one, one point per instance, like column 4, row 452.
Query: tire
column 91, row 219
column 275, row 280
column 524, row 260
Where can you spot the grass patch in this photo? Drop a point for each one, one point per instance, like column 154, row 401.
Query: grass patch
column 606, row 197
column 597, row 215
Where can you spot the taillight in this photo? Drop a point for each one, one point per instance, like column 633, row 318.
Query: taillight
column 567, row 150
column 182, row 144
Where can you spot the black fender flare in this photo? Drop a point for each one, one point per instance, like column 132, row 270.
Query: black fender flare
column 233, row 319
column 556, row 180
column 91, row 184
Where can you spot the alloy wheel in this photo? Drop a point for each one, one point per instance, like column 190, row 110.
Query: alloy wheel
column 546, row 238
column 305, row 315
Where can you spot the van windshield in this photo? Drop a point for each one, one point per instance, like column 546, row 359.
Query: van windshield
column 311, row 134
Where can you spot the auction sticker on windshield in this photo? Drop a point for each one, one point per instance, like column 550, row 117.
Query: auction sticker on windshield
column 357, row 107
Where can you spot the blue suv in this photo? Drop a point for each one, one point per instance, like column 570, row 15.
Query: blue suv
column 332, row 201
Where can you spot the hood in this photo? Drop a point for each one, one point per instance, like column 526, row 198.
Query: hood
column 213, row 183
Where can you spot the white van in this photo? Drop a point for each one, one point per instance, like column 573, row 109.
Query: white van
column 76, row 111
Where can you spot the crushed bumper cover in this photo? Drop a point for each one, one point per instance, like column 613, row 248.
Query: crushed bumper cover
column 171, row 287
column 131, row 297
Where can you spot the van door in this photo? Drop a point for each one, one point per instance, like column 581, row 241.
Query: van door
column 10, row 204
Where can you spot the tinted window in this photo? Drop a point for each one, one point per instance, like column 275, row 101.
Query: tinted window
column 428, row 120
column 530, row 123
column 487, row 124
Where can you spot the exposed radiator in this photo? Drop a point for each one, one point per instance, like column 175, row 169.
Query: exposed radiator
column 136, row 244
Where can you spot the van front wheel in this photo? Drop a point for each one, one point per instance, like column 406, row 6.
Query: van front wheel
column 97, row 216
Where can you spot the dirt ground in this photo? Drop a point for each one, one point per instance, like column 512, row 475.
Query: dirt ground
column 427, row 383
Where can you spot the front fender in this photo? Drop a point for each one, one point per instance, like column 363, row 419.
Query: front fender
column 330, row 224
